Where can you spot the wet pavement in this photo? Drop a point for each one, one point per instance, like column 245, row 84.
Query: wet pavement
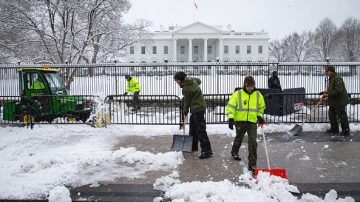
column 315, row 162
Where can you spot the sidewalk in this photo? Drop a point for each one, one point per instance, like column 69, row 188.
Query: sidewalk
column 315, row 162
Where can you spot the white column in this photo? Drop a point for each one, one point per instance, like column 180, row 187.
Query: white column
column 220, row 49
column 174, row 50
column 190, row 50
column 205, row 50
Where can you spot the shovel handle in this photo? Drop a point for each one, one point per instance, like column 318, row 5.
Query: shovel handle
column 185, row 118
column 312, row 110
column 266, row 150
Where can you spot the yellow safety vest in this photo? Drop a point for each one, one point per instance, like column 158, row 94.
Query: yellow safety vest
column 133, row 86
column 37, row 85
column 245, row 107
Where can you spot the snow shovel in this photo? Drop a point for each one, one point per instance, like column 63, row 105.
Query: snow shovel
column 280, row 172
column 182, row 142
column 298, row 128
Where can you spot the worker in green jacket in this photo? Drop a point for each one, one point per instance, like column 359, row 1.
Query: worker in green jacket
column 133, row 87
column 337, row 100
column 195, row 103
column 245, row 109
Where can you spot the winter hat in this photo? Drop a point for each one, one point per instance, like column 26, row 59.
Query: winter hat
column 249, row 81
column 179, row 76
column 127, row 76
column 330, row 68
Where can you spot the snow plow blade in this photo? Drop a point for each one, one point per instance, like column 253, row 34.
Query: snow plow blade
column 295, row 130
column 182, row 143
column 279, row 172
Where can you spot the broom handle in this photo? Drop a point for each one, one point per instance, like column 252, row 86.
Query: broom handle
column 307, row 118
column 266, row 150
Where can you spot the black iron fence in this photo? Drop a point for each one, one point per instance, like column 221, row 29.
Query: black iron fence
column 159, row 109
column 156, row 79
column 154, row 109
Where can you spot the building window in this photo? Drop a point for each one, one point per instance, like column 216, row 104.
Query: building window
column 182, row 49
column 209, row 49
column 248, row 49
column 131, row 49
column 226, row 49
column 260, row 49
column 154, row 49
column 142, row 49
column 237, row 49
column 166, row 50
column 196, row 49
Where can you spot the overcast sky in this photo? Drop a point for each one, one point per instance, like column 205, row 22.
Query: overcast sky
column 277, row 17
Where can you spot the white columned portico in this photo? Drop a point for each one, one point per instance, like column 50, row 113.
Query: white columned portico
column 174, row 50
column 190, row 50
column 205, row 50
column 220, row 49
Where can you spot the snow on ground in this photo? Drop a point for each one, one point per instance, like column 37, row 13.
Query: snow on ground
column 264, row 188
column 40, row 163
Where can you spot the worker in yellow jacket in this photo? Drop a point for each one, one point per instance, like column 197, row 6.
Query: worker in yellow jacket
column 133, row 87
column 245, row 109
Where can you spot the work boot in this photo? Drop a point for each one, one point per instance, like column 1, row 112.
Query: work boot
column 236, row 157
column 345, row 132
column 332, row 131
column 205, row 155
column 252, row 169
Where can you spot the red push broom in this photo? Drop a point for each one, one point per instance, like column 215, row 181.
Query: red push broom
column 280, row 172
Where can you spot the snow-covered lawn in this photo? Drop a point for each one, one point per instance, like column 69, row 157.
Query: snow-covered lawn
column 38, row 163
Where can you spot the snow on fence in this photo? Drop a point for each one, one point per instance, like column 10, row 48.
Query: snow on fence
column 157, row 78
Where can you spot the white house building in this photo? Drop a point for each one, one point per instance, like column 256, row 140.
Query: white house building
column 200, row 42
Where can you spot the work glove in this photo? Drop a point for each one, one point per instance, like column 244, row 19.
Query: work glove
column 125, row 93
column 231, row 124
column 323, row 93
column 260, row 120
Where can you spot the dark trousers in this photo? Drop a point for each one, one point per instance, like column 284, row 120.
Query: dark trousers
column 241, row 129
column 136, row 100
column 198, row 131
column 335, row 113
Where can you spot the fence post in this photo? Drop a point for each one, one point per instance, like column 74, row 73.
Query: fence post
column 116, row 79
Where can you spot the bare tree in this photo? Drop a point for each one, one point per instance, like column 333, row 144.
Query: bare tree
column 277, row 51
column 350, row 39
column 125, row 36
column 324, row 38
column 72, row 31
column 299, row 47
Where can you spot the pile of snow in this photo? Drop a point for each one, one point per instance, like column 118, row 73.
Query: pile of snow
column 39, row 163
column 59, row 194
column 34, row 162
column 264, row 188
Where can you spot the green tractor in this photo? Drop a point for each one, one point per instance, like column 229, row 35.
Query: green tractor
column 43, row 97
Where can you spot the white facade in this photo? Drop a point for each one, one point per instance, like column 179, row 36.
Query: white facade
column 200, row 42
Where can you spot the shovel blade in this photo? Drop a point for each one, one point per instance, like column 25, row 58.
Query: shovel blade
column 182, row 143
column 280, row 172
column 295, row 131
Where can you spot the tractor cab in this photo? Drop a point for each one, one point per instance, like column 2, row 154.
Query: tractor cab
column 40, row 81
